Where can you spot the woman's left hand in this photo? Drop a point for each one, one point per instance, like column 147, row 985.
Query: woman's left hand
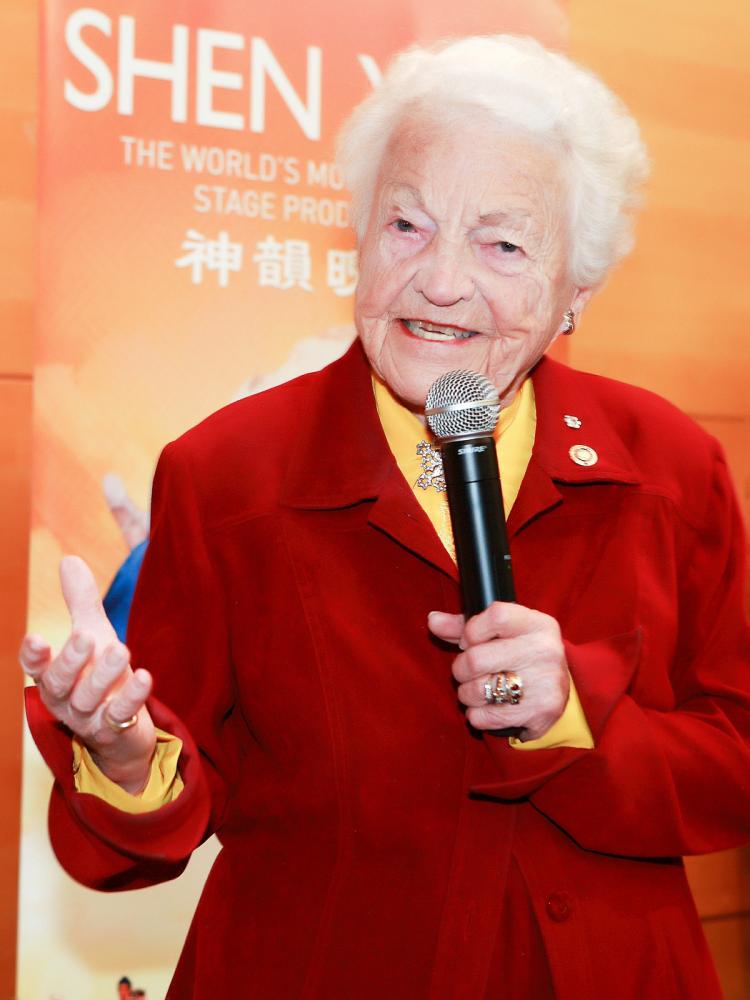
column 516, row 640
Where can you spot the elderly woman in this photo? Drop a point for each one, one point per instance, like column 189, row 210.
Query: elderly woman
column 323, row 706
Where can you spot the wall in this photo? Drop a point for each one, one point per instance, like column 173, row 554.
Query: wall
column 675, row 317
column 18, row 65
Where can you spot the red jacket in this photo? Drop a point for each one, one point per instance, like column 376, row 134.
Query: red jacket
column 373, row 843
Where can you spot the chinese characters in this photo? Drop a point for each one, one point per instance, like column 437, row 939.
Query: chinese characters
column 280, row 264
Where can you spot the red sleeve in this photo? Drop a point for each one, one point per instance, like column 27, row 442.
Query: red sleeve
column 659, row 783
column 178, row 631
column 103, row 847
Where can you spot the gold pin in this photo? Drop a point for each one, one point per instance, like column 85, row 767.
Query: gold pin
column 582, row 454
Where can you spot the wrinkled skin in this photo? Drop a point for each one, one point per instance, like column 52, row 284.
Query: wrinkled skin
column 90, row 678
column 468, row 229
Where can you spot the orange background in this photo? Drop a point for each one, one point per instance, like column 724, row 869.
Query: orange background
column 18, row 109
column 674, row 317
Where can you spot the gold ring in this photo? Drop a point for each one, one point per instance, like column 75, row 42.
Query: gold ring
column 120, row 727
column 507, row 689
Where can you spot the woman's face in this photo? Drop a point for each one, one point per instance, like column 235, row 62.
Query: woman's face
column 464, row 262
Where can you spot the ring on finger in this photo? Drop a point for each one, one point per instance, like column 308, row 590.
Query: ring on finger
column 120, row 727
column 505, row 689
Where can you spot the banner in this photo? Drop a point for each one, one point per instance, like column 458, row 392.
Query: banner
column 194, row 246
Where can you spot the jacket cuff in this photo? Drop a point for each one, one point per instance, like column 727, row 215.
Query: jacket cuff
column 166, row 835
column 602, row 671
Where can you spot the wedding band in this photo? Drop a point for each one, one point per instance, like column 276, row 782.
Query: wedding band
column 120, row 727
column 507, row 689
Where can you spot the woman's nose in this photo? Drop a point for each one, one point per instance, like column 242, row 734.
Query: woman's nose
column 444, row 276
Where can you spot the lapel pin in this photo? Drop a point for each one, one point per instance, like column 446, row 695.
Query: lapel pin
column 572, row 421
column 582, row 454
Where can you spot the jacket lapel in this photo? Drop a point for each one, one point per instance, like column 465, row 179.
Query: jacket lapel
column 397, row 513
column 561, row 392
column 342, row 458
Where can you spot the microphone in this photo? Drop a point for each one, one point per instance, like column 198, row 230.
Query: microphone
column 462, row 410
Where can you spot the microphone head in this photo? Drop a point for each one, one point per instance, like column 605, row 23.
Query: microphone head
column 462, row 404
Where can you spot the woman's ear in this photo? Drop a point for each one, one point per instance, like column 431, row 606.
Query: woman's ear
column 580, row 300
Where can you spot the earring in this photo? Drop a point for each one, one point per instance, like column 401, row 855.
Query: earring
column 570, row 322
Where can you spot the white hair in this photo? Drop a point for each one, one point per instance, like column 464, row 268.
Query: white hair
column 528, row 90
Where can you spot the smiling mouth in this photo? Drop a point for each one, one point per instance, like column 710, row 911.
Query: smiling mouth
column 436, row 331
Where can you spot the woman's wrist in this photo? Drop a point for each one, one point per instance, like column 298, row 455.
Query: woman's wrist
column 131, row 776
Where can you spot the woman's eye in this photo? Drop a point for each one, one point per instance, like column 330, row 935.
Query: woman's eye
column 403, row 226
column 507, row 247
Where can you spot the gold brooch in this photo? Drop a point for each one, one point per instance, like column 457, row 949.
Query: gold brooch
column 432, row 468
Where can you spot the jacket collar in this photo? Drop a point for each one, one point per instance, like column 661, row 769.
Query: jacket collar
column 562, row 392
column 342, row 457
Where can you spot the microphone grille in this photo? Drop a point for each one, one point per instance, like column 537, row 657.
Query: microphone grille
column 462, row 404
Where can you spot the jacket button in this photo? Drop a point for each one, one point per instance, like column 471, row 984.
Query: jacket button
column 558, row 906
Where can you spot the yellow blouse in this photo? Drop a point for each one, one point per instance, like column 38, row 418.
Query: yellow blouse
column 164, row 783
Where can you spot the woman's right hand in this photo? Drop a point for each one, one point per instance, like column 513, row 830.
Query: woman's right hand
column 90, row 687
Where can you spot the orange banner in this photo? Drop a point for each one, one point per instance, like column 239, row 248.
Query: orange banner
column 194, row 245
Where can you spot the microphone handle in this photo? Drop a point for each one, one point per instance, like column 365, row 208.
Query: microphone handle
column 475, row 501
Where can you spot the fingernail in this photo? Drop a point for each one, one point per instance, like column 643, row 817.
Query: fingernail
column 80, row 643
column 462, row 644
